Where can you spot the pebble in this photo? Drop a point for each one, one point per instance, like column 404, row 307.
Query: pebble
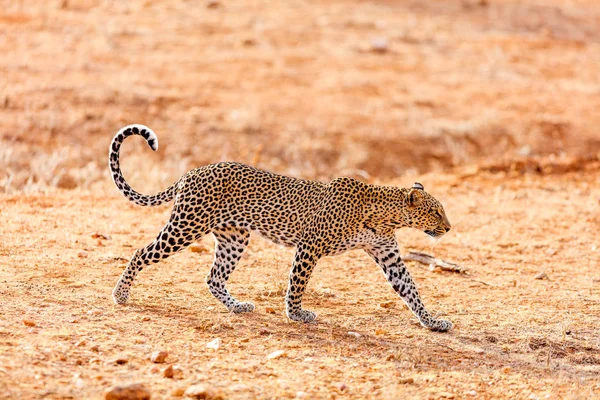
column 82, row 342
column 355, row 334
column 28, row 322
column 270, row 310
column 173, row 372
column 541, row 275
column 301, row 395
column 82, row 254
column 197, row 248
column 202, row 392
column 379, row 45
column 178, row 392
column 387, row 304
column 159, row 357
column 120, row 360
column 214, row 344
column 406, row 381
column 276, row 354
column 134, row 391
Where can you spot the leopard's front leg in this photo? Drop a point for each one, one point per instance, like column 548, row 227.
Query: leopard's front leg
column 304, row 262
column 386, row 254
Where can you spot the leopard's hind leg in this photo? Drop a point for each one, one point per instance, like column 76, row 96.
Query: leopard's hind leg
column 230, row 243
column 175, row 236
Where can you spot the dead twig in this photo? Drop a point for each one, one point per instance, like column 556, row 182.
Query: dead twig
column 434, row 262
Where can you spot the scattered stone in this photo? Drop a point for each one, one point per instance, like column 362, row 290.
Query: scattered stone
column 239, row 387
column 95, row 348
column 120, row 360
column 178, row 392
column 214, row 344
column 134, row 391
column 446, row 395
column 159, row 357
column 379, row 45
column 387, row 304
column 146, row 319
column 213, row 4
column 276, row 354
column 28, row 322
column 301, row 395
column 506, row 370
column 173, row 372
column 82, row 342
column 342, row 387
column 541, row 275
column 197, row 248
column 202, row 392
column 168, row 372
column 270, row 310
column 355, row 334
column 82, row 254
column 380, row 332
column 406, row 381
column 97, row 235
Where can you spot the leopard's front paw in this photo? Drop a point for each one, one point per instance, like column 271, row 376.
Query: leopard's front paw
column 120, row 294
column 302, row 316
column 440, row 325
column 242, row 307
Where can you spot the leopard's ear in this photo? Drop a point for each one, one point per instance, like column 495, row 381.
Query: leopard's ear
column 414, row 197
column 417, row 185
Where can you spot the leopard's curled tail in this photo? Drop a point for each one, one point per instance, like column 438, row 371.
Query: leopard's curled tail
column 117, row 175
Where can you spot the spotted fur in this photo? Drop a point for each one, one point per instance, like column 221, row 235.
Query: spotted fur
column 230, row 200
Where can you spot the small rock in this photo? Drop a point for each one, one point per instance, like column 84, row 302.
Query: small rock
column 82, row 254
column 239, row 387
column 213, row 4
column 301, row 395
column 173, row 372
column 355, row 334
column 379, row 45
column 134, row 391
column 446, row 395
column 82, row 342
column 202, row 392
column 214, row 344
column 197, row 248
column 341, row 387
column 506, row 370
column 168, row 372
column 120, row 360
column 379, row 332
column 146, row 319
column 28, row 322
column 270, row 310
column 95, row 348
column 541, row 275
column 178, row 392
column 406, row 381
column 387, row 304
column 159, row 357
column 276, row 354
column 97, row 235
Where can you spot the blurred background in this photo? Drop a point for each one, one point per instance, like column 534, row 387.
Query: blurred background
column 313, row 89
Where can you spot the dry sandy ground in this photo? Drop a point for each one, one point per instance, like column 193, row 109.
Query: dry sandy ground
column 515, row 336
column 491, row 104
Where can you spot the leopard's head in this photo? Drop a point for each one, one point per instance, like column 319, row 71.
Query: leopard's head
column 422, row 211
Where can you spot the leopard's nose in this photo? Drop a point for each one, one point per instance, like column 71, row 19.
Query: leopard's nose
column 447, row 229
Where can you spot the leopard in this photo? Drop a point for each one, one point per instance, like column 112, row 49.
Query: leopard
column 230, row 200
